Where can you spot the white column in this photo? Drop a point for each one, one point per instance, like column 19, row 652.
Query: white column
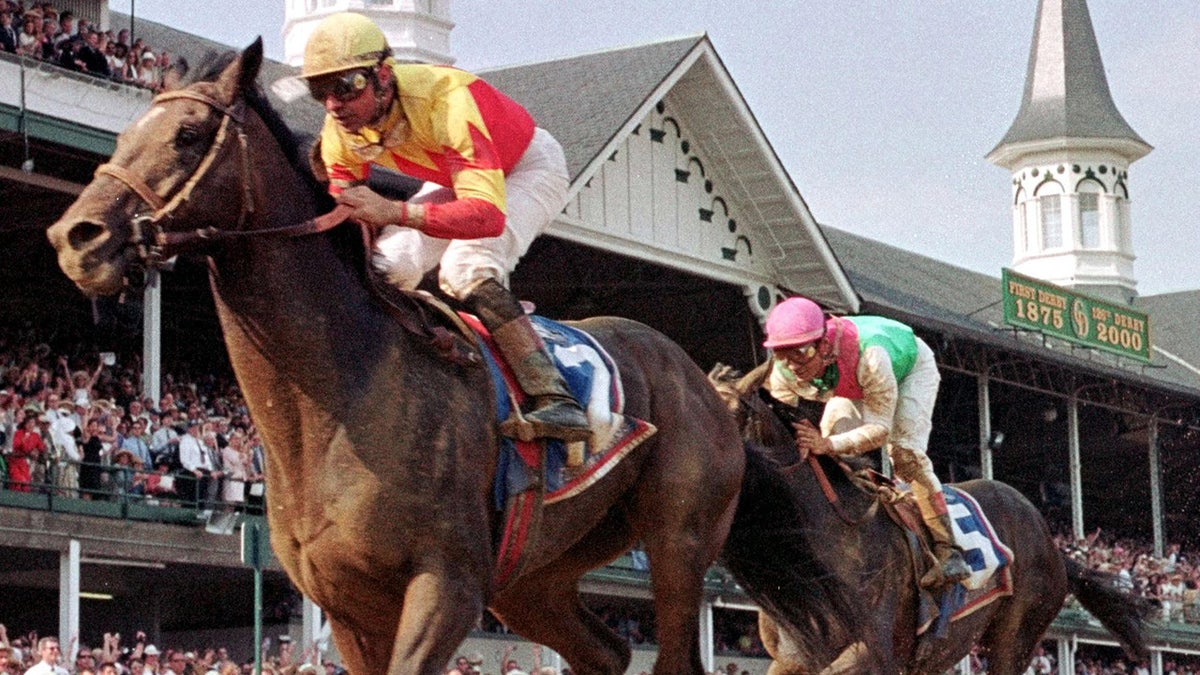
column 984, row 398
column 708, row 655
column 68, row 599
column 1076, row 467
column 1156, row 499
column 152, row 336
column 1066, row 655
column 312, row 625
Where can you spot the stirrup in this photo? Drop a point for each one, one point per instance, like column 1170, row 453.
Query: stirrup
column 945, row 573
column 562, row 419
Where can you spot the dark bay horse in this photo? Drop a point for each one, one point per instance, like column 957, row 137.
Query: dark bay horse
column 380, row 451
column 867, row 549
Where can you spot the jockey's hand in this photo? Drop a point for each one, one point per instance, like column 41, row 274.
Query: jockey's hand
column 370, row 208
column 810, row 440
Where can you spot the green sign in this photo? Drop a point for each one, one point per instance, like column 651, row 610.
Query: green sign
column 1037, row 305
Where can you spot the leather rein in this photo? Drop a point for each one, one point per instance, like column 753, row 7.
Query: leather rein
column 788, row 416
column 155, row 246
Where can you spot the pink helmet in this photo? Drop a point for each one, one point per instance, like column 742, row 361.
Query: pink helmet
column 794, row 321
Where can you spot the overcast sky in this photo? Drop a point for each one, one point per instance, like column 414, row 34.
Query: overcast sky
column 882, row 112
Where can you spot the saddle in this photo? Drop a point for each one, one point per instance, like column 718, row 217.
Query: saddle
column 427, row 318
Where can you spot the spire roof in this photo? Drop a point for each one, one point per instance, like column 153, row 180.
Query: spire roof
column 1066, row 91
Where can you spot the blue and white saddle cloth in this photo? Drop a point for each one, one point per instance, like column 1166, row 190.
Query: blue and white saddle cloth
column 592, row 377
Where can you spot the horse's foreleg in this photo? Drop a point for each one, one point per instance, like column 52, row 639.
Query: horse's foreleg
column 439, row 611
column 685, row 508
column 360, row 654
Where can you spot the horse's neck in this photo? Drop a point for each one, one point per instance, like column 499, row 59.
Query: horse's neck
column 291, row 305
column 295, row 309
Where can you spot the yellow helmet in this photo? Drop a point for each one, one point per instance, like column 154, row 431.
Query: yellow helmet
column 341, row 42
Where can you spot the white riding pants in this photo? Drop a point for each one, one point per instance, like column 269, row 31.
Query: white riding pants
column 535, row 192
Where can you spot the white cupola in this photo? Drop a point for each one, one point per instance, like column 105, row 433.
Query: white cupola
column 417, row 30
column 1069, row 152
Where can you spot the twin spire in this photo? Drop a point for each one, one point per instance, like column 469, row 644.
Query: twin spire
column 1069, row 151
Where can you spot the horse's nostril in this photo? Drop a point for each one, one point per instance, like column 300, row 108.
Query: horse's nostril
column 82, row 233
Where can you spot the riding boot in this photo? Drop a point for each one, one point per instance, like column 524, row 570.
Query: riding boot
column 555, row 413
column 950, row 568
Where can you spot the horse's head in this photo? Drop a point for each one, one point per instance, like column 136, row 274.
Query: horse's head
column 188, row 136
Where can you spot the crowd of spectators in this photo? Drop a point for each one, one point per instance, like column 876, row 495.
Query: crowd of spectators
column 1093, row 661
column 77, row 426
column 38, row 31
column 47, row 655
column 1171, row 579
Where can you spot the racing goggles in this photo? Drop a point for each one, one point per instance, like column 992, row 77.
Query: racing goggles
column 344, row 87
column 799, row 353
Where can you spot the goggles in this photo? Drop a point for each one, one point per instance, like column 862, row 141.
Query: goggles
column 344, row 87
column 801, row 353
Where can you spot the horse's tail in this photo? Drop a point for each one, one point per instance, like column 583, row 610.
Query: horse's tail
column 771, row 556
column 1122, row 613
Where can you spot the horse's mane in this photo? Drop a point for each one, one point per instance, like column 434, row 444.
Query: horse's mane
column 211, row 67
column 347, row 241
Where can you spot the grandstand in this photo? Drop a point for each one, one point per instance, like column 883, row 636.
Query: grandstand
column 1100, row 444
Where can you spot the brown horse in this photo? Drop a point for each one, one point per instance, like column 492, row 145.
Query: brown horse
column 866, row 547
column 380, row 450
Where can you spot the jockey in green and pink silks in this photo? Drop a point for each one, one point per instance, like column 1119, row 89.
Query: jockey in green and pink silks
column 879, row 382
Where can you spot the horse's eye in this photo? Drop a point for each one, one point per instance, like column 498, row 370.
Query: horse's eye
column 187, row 136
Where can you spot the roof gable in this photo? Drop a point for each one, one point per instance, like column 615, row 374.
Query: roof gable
column 585, row 100
column 594, row 103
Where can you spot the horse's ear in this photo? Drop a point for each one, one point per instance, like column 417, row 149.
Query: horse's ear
column 240, row 75
column 172, row 79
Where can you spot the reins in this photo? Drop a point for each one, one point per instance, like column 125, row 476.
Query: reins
column 153, row 245
column 789, row 417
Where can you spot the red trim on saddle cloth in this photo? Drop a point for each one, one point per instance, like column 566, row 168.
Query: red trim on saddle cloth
column 845, row 344
column 516, row 535
column 637, row 431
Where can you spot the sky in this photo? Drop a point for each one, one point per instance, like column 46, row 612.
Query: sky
column 881, row 111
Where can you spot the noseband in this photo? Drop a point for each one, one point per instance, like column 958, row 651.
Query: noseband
column 154, row 246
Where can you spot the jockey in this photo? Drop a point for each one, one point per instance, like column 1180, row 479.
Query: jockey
column 494, row 182
column 879, row 382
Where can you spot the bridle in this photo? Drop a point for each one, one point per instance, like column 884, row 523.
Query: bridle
column 790, row 416
column 152, row 245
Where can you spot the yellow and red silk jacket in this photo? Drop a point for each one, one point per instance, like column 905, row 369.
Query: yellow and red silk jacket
column 448, row 127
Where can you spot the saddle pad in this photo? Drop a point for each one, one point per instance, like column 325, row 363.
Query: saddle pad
column 982, row 549
column 592, row 377
column 988, row 557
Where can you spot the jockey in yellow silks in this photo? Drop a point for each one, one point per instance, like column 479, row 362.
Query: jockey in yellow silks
column 494, row 182
column 879, row 382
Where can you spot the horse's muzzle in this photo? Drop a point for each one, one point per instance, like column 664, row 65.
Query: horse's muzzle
column 90, row 255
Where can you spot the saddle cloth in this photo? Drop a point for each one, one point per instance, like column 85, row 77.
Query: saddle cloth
column 988, row 557
column 593, row 379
